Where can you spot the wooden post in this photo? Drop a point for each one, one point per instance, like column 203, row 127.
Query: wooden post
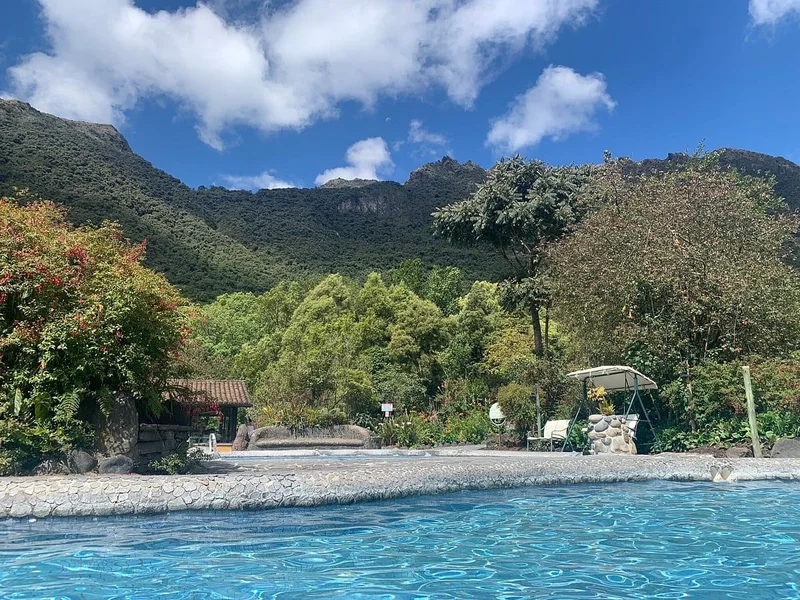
column 538, row 414
column 751, row 412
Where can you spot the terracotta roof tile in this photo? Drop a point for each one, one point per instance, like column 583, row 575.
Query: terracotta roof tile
column 226, row 392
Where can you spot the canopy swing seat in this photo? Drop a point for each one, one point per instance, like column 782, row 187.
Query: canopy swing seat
column 616, row 378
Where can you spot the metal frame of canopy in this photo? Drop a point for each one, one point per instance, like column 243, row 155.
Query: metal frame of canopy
column 616, row 378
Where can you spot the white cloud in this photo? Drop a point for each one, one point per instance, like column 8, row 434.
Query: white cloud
column 264, row 181
column 285, row 65
column 365, row 160
column 769, row 12
column 427, row 143
column 562, row 102
column 417, row 134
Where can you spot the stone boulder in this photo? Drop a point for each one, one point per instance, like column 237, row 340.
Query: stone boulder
column 337, row 436
column 786, row 448
column 115, row 465
column 119, row 432
column 51, row 466
column 81, row 461
column 739, row 452
column 240, row 443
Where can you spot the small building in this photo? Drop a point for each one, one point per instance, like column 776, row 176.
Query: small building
column 212, row 397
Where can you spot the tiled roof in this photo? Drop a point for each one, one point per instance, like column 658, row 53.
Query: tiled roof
column 225, row 392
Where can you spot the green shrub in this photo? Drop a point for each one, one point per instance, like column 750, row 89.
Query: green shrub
column 184, row 461
column 462, row 396
column 771, row 426
column 472, row 428
column 299, row 416
column 717, row 395
column 365, row 420
column 325, row 417
column 25, row 443
column 410, row 430
column 517, row 405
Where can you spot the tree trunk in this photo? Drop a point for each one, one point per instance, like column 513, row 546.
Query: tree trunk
column 538, row 340
column 691, row 407
column 547, row 330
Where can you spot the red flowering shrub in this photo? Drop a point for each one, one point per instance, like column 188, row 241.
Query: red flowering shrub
column 81, row 320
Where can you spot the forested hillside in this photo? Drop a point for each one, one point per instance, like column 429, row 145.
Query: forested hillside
column 213, row 240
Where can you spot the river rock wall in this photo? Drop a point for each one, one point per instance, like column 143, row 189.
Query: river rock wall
column 282, row 483
column 610, row 434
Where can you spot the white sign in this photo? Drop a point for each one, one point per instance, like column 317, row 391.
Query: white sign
column 387, row 407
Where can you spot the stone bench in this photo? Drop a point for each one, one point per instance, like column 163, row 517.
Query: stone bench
column 337, row 436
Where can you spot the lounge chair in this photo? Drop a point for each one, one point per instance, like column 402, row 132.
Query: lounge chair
column 553, row 430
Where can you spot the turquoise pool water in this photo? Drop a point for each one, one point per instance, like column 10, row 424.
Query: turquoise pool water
column 651, row 540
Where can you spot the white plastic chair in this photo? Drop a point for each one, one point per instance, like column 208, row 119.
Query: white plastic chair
column 631, row 421
column 553, row 430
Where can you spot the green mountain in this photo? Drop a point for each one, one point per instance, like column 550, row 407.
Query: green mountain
column 213, row 240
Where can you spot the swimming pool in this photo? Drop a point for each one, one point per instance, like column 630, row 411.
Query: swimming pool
column 645, row 540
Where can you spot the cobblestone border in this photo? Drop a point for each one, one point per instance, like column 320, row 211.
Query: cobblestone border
column 282, row 482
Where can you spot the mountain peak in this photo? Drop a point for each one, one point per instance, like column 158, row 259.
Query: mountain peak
column 22, row 112
column 347, row 183
column 448, row 170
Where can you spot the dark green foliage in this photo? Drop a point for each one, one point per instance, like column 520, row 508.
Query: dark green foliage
column 184, row 461
column 413, row 429
column 680, row 268
column 518, row 405
column 298, row 417
column 26, row 442
column 711, row 408
column 342, row 349
column 522, row 208
column 213, row 241
column 754, row 164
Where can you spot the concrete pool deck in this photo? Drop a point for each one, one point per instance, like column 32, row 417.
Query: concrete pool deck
column 280, row 481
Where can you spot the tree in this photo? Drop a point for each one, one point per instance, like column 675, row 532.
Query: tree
column 518, row 406
column 239, row 335
column 417, row 333
column 81, row 321
column 319, row 341
column 443, row 287
column 521, row 209
column 679, row 268
column 230, row 322
column 479, row 317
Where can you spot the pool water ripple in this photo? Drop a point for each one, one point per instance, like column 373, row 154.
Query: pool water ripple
column 632, row 541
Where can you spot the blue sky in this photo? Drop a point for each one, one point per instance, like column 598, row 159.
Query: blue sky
column 247, row 93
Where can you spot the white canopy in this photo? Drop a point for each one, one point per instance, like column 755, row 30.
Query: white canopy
column 614, row 378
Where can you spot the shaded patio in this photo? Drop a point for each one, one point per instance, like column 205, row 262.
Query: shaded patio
column 213, row 397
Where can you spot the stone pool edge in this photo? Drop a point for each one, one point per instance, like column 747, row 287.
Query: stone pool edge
column 286, row 485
